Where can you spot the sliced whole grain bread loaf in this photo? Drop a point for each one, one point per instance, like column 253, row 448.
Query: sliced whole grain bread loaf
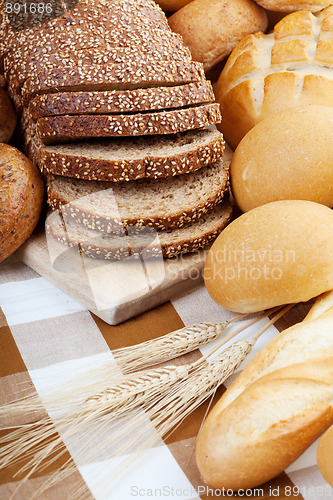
column 130, row 158
column 159, row 203
column 59, row 129
column 118, row 101
column 114, row 246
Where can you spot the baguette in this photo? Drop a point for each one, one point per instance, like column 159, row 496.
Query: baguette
column 277, row 407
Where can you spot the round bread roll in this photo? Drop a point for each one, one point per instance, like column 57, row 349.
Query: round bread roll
column 269, row 73
column 21, row 198
column 287, row 156
column 212, row 29
column 325, row 454
column 292, row 5
column 172, row 5
column 275, row 254
column 7, row 117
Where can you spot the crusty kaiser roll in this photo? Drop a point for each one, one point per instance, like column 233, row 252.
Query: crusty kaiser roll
column 287, row 156
column 211, row 29
column 325, row 455
column 21, row 198
column 172, row 5
column 268, row 73
column 275, row 409
column 275, row 254
column 293, row 5
column 7, row 117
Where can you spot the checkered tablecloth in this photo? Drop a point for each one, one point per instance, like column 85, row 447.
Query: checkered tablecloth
column 46, row 334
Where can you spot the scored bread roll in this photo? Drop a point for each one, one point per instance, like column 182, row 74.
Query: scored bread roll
column 275, row 254
column 7, row 117
column 275, row 409
column 287, row 156
column 268, row 73
column 325, row 455
column 212, row 29
column 21, row 198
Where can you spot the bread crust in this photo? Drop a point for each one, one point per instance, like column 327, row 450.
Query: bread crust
column 293, row 66
column 21, row 198
column 57, row 129
column 324, row 455
column 117, row 101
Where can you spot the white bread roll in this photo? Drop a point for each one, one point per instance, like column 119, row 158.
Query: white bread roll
column 322, row 304
column 287, row 156
column 211, row 29
column 268, row 73
column 275, row 254
column 278, row 406
column 325, row 455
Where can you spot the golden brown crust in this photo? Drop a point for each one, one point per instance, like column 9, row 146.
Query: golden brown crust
column 21, row 198
column 7, row 117
column 268, row 73
column 267, row 427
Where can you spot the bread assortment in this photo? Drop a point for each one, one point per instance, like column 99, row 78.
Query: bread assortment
column 212, row 29
column 279, row 405
column 286, row 156
column 264, row 258
column 267, row 73
column 21, row 199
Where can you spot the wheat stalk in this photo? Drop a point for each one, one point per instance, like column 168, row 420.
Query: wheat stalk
column 167, row 395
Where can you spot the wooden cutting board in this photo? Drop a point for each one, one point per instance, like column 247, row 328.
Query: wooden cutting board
column 114, row 291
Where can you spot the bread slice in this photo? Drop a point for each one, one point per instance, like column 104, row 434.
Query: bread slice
column 118, row 101
column 58, row 129
column 130, row 158
column 101, row 57
column 159, row 203
column 114, row 246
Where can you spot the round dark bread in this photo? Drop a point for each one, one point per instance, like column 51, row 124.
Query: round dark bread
column 21, row 198
column 7, row 117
